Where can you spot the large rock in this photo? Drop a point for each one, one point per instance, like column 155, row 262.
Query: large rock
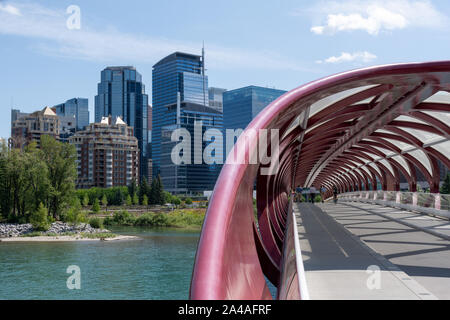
column 16, row 230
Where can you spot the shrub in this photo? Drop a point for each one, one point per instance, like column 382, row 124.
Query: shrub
column 38, row 219
column 160, row 220
column 318, row 199
column 188, row 201
column 175, row 201
column 122, row 217
column 96, row 223
column 145, row 220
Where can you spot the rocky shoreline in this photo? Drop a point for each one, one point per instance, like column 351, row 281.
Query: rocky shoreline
column 9, row 230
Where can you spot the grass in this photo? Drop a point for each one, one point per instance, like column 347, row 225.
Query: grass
column 181, row 218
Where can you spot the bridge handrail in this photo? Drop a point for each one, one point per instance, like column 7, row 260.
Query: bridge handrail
column 428, row 203
column 293, row 281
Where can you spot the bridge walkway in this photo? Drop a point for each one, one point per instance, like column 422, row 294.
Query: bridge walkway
column 342, row 247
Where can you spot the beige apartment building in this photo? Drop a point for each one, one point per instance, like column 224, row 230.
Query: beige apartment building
column 107, row 154
column 30, row 127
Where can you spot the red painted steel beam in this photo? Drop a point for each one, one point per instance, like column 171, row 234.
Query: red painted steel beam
column 233, row 254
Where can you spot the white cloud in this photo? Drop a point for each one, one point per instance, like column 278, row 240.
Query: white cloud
column 361, row 56
column 10, row 9
column 48, row 28
column 376, row 16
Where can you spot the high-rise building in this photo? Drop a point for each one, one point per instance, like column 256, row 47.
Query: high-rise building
column 241, row 105
column 149, row 145
column 181, row 73
column 30, row 127
column 194, row 177
column 216, row 98
column 16, row 114
column 107, row 154
column 121, row 93
column 77, row 108
column 67, row 127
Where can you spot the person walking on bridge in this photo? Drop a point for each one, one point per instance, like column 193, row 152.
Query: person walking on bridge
column 322, row 193
column 312, row 193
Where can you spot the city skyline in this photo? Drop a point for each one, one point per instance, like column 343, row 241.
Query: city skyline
column 369, row 33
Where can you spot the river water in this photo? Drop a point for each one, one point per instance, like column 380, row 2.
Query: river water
column 158, row 266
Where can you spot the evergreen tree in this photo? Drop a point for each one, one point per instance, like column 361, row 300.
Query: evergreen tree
column 129, row 201
column 104, row 200
column 160, row 191
column 145, row 200
column 96, row 206
column 154, row 192
column 135, row 199
column 85, row 200
column 143, row 190
column 132, row 188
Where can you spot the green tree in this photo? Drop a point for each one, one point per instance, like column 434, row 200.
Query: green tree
column 132, row 188
column 445, row 189
column 135, row 199
column 176, row 201
column 145, row 200
column 85, row 200
column 73, row 213
column 129, row 201
column 157, row 192
column 143, row 190
column 188, row 201
column 39, row 219
column 104, row 201
column 60, row 159
column 96, row 206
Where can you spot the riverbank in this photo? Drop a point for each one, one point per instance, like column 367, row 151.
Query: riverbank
column 58, row 231
column 66, row 238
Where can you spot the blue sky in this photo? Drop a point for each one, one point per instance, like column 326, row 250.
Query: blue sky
column 275, row 43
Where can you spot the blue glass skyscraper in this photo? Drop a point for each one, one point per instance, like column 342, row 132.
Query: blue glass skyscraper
column 194, row 177
column 121, row 93
column 76, row 107
column 241, row 105
column 177, row 73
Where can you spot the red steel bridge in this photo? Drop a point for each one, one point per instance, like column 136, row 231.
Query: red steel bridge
column 354, row 131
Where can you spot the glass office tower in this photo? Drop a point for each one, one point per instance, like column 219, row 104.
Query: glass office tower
column 177, row 73
column 216, row 98
column 121, row 93
column 76, row 107
column 189, row 178
column 241, row 105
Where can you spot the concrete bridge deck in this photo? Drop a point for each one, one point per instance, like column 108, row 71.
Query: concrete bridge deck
column 340, row 242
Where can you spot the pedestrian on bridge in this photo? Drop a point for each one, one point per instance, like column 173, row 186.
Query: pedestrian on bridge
column 335, row 193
